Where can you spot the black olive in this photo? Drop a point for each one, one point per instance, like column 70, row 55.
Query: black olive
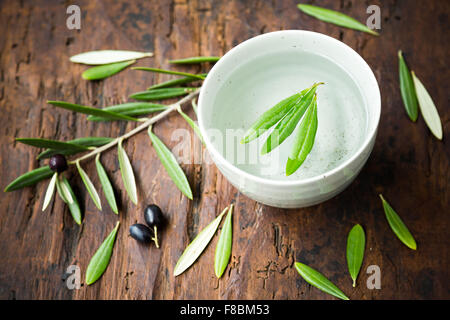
column 153, row 216
column 58, row 163
column 141, row 233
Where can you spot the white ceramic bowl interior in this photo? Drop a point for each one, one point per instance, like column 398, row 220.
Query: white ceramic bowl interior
column 258, row 73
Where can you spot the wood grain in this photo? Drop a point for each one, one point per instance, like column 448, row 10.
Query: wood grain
column 407, row 165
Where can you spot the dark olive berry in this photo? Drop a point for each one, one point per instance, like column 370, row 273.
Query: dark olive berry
column 153, row 216
column 141, row 233
column 58, row 163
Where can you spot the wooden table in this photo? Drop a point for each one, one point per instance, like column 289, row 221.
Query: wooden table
column 407, row 165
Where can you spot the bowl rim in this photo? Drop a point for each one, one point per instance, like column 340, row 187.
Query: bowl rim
column 218, row 157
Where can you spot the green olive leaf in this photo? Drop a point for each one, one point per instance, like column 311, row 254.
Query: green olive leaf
column 91, row 111
column 304, row 140
column 288, row 124
column 89, row 186
column 30, row 178
column 74, row 207
column 397, row 225
column 86, row 141
column 192, row 75
column 105, row 70
column 131, row 109
column 335, row 17
column 161, row 94
column 223, row 248
column 175, row 82
column 191, row 123
column 52, row 144
column 100, row 57
column 318, row 280
column 127, row 173
column 64, row 191
column 196, row 247
column 427, row 108
column 106, row 185
column 50, row 191
column 356, row 242
column 269, row 118
column 194, row 60
column 407, row 88
column 171, row 165
column 100, row 260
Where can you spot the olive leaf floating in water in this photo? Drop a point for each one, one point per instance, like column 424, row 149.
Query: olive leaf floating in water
column 335, row 17
column 286, row 115
column 196, row 247
column 319, row 281
column 101, row 258
column 356, row 242
column 397, row 225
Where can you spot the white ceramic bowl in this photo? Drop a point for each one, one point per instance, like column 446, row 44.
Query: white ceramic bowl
column 261, row 71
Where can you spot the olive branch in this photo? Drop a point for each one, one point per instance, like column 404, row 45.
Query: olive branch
column 108, row 63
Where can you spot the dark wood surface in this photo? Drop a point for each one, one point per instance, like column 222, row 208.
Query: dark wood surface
column 408, row 165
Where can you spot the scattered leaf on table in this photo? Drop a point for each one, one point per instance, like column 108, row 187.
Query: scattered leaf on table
column 397, row 225
column 356, row 243
column 108, row 56
column 335, row 17
column 318, row 280
column 407, row 89
column 171, row 165
column 196, row 247
column 101, row 258
column 105, row 70
column 427, row 108
column 223, row 248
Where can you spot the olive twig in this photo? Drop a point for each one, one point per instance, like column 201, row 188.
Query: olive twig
column 138, row 129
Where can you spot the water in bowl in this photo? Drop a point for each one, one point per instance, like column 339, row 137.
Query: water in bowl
column 259, row 84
